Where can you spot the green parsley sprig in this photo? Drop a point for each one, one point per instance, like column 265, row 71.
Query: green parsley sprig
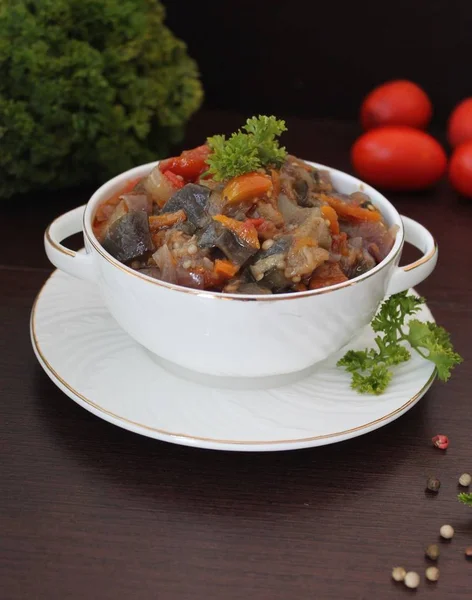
column 465, row 498
column 247, row 151
column 370, row 368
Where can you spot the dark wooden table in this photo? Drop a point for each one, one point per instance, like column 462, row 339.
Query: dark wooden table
column 88, row 510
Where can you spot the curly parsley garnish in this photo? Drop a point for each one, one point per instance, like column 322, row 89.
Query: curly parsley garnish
column 465, row 498
column 247, row 151
column 370, row 368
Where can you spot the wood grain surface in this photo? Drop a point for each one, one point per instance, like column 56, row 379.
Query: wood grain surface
column 88, row 510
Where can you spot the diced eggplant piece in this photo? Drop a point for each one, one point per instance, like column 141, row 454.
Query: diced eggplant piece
column 357, row 262
column 129, row 237
column 266, row 261
column 186, row 227
column 233, row 247
column 253, row 288
column 275, row 280
column 302, row 190
column 192, row 198
column 322, row 180
column 280, row 246
column 208, row 237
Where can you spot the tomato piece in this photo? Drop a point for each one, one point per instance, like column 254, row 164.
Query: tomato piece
column 460, row 169
column 459, row 127
column 256, row 222
column 327, row 274
column 189, row 165
column 399, row 158
column 399, row 102
column 176, row 180
column 339, row 244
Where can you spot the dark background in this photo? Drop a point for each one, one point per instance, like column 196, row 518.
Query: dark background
column 318, row 59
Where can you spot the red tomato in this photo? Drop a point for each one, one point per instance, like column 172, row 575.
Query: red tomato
column 398, row 102
column 460, row 169
column 189, row 165
column 459, row 128
column 399, row 158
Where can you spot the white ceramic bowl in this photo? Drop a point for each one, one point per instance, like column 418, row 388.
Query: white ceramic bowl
column 233, row 335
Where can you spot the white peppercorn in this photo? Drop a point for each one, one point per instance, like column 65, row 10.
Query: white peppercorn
column 398, row 573
column 432, row 573
column 465, row 480
column 446, row 532
column 412, row 580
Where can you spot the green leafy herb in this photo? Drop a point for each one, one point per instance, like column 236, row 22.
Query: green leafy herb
column 465, row 498
column 247, row 151
column 370, row 368
column 88, row 89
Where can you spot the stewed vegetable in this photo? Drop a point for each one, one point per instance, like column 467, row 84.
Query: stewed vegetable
column 242, row 216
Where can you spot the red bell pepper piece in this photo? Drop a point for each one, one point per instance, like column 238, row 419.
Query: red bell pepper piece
column 189, row 165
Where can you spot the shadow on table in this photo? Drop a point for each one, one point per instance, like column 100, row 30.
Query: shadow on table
column 230, row 481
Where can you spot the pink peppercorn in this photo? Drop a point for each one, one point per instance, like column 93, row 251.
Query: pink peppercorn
column 441, row 441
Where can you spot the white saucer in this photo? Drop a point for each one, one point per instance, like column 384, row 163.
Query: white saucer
column 98, row 365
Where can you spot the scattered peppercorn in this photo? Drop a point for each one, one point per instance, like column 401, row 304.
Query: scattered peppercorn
column 398, row 573
column 433, row 484
column 446, row 532
column 432, row 551
column 441, row 441
column 465, row 480
column 412, row 580
column 468, row 552
column 432, row 573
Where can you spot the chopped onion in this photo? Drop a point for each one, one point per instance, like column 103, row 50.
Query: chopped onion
column 164, row 260
column 160, row 188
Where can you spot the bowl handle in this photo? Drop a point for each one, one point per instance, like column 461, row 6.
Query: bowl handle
column 410, row 275
column 74, row 263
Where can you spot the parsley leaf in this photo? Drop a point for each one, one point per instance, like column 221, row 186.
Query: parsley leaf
column 245, row 152
column 465, row 498
column 370, row 368
column 373, row 383
column 435, row 341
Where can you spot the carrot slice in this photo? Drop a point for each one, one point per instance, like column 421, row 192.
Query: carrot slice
column 246, row 187
column 225, row 269
column 166, row 220
column 275, row 176
column 351, row 212
column 243, row 229
column 329, row 213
